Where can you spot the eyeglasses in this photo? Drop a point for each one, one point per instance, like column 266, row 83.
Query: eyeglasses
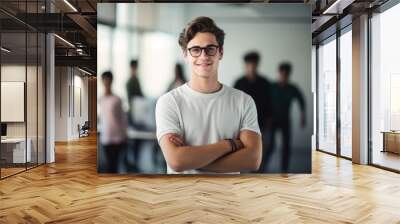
column 210, row 50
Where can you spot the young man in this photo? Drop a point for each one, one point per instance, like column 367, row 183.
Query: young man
column 203, row 125
column 283, row 94
column 113, row 122
column 258, row 87
column 133, row 89
column 133, row 86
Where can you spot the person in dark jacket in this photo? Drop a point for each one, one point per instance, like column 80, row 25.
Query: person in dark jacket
column 283, row 94
column 133, row 86
column 258, row 87
column 134, row 90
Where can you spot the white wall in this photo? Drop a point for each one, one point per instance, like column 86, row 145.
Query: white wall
column 33, row 125
column 68, row 81
column 117, row 47
column 61, row 105
column 80, row 84
column 12, row 73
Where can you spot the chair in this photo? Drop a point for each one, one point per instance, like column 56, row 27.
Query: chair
column 84, row 130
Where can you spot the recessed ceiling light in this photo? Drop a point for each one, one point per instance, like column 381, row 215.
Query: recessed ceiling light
column 5, row 50
column 70, row 5
column 337, row 7
column 84, row 71
column 64, row 40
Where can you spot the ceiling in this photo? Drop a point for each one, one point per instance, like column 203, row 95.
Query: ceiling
column 330, row 15
column 75, row 22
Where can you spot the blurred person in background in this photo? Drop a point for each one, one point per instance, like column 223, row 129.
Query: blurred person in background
column 133, row 88
column 179, row 77
column 113, row 137
column 258, row 87
column 283, row 94
column 204, row 126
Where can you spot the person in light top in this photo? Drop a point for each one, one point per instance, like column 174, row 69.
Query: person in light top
column 205, row 126
column 113, row 134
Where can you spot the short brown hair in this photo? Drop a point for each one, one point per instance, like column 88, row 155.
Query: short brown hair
column 201, row 25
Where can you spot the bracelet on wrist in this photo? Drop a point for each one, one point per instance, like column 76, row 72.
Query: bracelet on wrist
column 232, row 144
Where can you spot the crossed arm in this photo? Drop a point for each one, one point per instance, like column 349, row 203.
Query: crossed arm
column 213, row 157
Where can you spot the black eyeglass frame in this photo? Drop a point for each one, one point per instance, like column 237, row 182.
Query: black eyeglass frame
column 205, row 50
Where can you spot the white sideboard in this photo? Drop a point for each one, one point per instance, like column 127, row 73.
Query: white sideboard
column 18, row 145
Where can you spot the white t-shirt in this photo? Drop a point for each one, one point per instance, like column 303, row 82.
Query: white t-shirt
column 113, row 121
column 205, row 118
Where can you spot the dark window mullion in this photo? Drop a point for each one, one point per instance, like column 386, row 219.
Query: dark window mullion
column 338, row 98
column 369, row 91
column 317, row 95
column 26, row 86
column 37, row 91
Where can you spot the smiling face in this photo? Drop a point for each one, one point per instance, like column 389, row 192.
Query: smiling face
column 204, row 66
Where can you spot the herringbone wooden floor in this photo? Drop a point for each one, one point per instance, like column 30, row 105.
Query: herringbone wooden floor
column 70, row 191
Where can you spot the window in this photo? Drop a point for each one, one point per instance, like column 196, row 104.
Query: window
column 327, row 96
column 22, row 77
column 385, row 88
column 346, row 93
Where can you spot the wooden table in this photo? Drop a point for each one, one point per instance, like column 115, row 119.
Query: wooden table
column 391, row 141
